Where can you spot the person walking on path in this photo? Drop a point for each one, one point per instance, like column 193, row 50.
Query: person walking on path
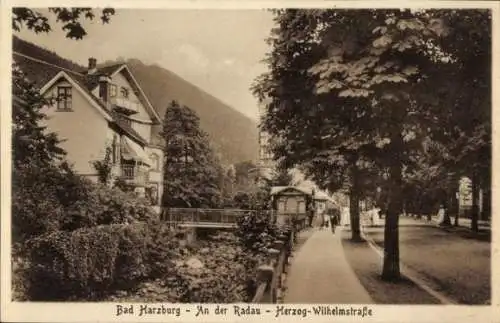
column 310, row 215
column 334, row 219
column 326, row 220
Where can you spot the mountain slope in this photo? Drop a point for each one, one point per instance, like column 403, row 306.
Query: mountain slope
column 234, row 136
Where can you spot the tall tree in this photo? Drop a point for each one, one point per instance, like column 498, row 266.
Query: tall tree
column 376, row 86
column 310, row 131
column 192, row 174
column 384, row 60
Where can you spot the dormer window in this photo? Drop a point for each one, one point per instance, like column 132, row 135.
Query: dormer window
column 124, row 92
column 64, row 98
column 112, row 91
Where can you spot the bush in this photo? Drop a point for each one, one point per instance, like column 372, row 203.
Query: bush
column 105, row 205
column 223, row 277
column 73, row 265
column 256, row 232
column 37, row 195
column 163, row 248
column 90, row 263
column 253, row 200
column 50, row 198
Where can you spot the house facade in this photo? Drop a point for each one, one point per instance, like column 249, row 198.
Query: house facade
column 97, row 111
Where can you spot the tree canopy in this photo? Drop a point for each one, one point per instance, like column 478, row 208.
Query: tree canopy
column 71, row 19
column 371, row 91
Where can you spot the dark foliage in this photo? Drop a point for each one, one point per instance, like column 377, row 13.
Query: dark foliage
column 70, row 18
column 192, row 174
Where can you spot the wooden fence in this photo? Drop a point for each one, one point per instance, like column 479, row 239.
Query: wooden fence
column 270, row 276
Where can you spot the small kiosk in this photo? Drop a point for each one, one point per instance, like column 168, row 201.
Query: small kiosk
column 291, row 205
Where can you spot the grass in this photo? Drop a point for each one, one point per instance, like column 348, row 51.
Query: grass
column 367, row 266
column 455, row 266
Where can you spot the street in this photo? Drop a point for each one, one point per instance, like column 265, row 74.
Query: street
column 458, row 266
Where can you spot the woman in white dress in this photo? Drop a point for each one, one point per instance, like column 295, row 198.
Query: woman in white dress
column 326, row 220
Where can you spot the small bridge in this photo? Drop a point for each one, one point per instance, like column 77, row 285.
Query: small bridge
column 204, row 218
column 217, row 218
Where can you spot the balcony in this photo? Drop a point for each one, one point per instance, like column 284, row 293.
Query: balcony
column 128, row 106
column 134, row 174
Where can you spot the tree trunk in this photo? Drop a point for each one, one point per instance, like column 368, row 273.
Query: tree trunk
column 486, row 213
column 391, row 270
column 457, row 216
column 354, row 206
column 475, row 201
column 449, row 201
column 453, row 200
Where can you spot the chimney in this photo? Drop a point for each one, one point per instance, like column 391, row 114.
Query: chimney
column 92, row 65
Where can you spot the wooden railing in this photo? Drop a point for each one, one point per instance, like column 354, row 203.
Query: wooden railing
column 270, row 277
column 193, row 215
column 227, row 217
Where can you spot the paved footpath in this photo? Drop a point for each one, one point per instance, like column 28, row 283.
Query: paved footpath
column 319, row 273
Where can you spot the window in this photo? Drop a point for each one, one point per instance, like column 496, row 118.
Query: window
column 155, row 160
column 124, row 92
column 64, row 98
column 112, row 91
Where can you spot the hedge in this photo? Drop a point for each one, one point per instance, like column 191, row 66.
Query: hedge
column 88, row 263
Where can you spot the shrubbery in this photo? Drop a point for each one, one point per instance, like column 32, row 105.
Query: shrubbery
column 222, row 278
column 52, row 198
column 71, row 239
column 256, row 232
column 89, row 263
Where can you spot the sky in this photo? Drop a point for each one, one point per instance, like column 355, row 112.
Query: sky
column 220, row 51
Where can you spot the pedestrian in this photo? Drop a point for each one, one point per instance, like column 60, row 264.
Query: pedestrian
column 334, row 219
column 311, row 217
column 325, row 220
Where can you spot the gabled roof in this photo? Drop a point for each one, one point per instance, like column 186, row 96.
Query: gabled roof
column 48, row 68
column 278, row 189
column 115, row 69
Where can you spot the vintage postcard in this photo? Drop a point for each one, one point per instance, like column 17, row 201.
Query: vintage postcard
column 184, row 161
